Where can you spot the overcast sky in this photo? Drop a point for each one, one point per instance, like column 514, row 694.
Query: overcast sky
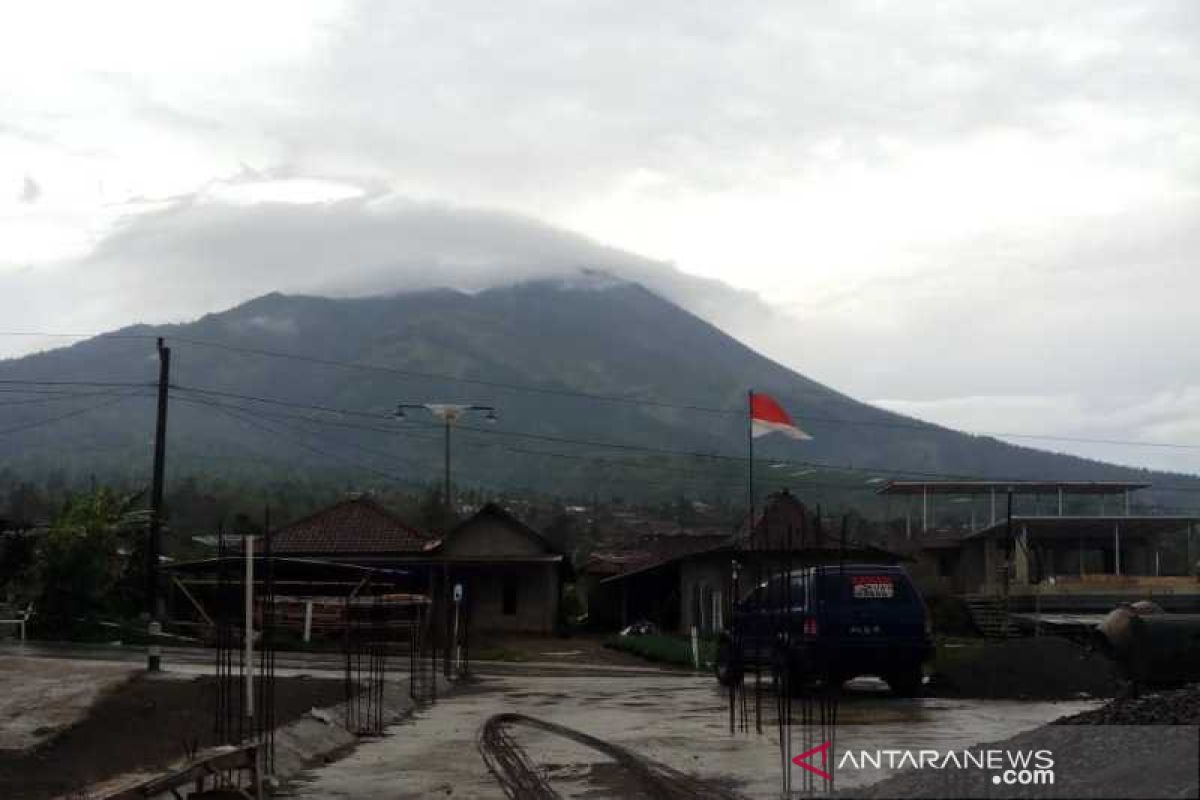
column 984, row 214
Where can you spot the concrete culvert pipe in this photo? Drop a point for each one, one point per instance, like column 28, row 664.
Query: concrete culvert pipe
column 1152, row 647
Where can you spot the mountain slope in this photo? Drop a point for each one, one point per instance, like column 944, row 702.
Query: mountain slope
column 598, row 337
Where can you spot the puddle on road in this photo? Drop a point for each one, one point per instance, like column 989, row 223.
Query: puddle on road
column 679, row 720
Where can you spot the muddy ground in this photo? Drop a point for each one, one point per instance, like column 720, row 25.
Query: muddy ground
column 140, row 723
column 41, row 696
column 678, row 719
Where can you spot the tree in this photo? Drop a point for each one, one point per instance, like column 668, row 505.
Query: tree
column 90, row 560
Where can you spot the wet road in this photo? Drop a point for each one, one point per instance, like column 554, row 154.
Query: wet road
column 678, row 719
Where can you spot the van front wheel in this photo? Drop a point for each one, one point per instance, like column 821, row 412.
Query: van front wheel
column 728, row 664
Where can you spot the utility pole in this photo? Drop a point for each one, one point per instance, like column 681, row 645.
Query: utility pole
column 153, row 599
column 449, row 413
column 446, row 481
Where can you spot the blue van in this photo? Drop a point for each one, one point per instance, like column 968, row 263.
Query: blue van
column 831, row 623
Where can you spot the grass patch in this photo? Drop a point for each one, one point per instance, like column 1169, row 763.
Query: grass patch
column 661, row 649
column 498, row 654
column 952, row 652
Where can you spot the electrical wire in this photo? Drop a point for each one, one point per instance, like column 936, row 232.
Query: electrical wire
column 709, row 479
column 915, row 425
column 74, row 413
column 56, row 397
column 407, row 373
column 884, row 471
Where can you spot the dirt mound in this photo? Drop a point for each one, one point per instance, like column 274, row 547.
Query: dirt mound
column 144, row 723
column 1177, row 707
column 1040, row 668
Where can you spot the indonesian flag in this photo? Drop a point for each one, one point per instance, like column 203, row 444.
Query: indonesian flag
column 767, row 416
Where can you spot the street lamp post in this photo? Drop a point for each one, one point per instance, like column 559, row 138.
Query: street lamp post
column 448, row 413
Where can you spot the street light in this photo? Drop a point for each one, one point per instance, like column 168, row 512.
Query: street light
column 449, row 413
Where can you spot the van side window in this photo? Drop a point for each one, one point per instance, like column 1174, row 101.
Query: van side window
column 800, row 591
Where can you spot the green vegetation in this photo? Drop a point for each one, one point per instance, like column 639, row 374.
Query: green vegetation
column 664, row 649
column 498, row 654
column 951, row 652
column 88, row 565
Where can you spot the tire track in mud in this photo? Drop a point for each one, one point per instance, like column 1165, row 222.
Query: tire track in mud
column 520, row 778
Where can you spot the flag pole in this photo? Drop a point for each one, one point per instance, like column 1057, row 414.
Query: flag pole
column 750, row 544
column 750, row 460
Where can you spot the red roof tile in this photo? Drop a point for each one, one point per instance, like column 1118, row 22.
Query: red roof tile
column 354, row 525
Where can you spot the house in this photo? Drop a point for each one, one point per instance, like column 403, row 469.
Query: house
column 510, row 576
column 642, row 581
column 1062, row 546
column 692, row 580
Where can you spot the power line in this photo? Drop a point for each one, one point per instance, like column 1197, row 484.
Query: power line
column 56, row 397
column 916, row 425
column 407, row 435
column 318, row 451
column 710, row 479
column 60, row 335
column 407, row 373
column 67, row 415
column 27, row 382
column 888, row 471
column 284, row 403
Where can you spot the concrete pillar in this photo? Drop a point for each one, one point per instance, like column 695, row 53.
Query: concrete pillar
column 1117, row 548
column 989, row 564
column 924, row 509
column 1021, row 558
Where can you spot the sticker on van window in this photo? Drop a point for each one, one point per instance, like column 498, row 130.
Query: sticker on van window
column 868, row 587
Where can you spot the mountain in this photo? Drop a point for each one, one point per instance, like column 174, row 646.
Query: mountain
column 545, row 353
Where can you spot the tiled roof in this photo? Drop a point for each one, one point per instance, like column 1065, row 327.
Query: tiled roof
column 354, row 525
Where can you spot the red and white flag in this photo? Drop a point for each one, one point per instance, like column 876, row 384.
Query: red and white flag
column 767, row 416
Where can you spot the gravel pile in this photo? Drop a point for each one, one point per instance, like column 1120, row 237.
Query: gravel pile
column 1176, row 707
column 1033, row 668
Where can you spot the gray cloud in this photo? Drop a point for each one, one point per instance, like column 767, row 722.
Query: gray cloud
column 195, row 255
column 30, row 191
column 478, row 134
